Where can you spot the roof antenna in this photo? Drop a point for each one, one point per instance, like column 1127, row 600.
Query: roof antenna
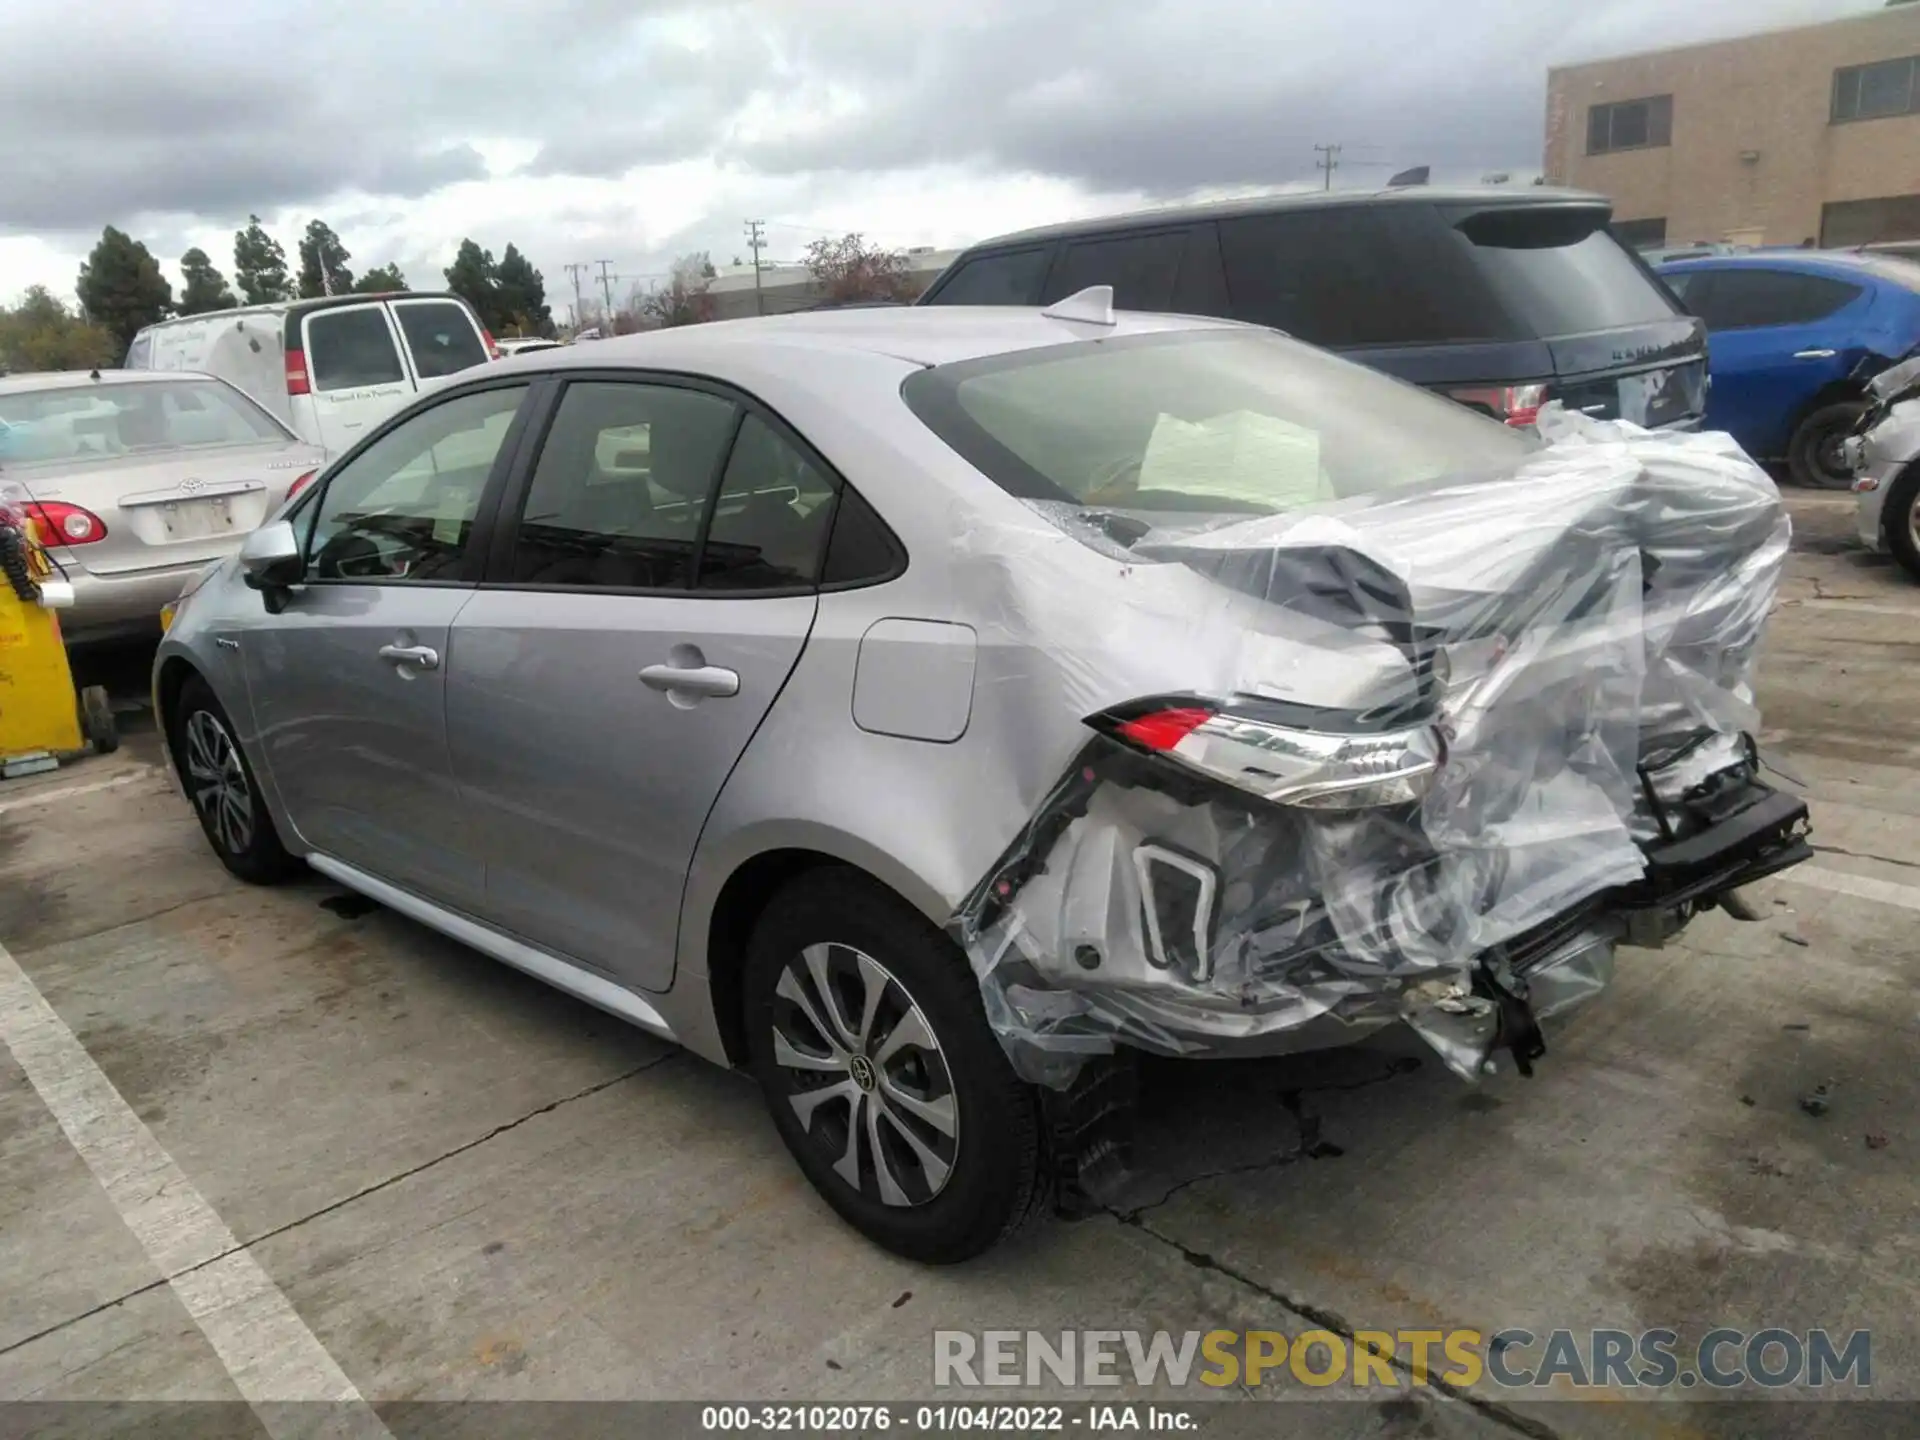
column 95, row 375
column 1091, row 306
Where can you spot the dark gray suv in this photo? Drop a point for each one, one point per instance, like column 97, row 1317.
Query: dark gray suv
column 1502, row 299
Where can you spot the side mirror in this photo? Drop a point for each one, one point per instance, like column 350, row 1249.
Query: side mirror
column 271, row 562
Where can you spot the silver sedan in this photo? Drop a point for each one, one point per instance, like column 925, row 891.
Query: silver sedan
column 137, row 480
column 926, row 708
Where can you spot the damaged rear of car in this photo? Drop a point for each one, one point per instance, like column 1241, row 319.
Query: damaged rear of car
column 1390, row 714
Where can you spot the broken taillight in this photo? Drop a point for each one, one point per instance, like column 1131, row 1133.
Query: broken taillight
column 1358, row 769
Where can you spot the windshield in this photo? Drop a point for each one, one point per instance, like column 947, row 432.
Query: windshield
column 81, row 422
column 1199, row 422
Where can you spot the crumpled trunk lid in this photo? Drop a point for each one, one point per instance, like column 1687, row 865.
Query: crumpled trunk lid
column 1581, row 631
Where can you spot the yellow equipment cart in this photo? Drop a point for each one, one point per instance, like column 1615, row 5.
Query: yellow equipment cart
column 42, row 720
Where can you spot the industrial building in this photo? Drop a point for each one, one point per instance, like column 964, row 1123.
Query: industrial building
column 1781, row 138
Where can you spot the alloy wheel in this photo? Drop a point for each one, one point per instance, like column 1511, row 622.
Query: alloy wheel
column 865, row 1074
column 218, row 782
column 1913, row 522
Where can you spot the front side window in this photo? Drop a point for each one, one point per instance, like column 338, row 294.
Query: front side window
column 1630, row 125
column 349, row 349
column 79, row 423
column 1200, row 423
column 1872, row 92
column 621, row 487
column 403, row 508
column 440, row 336
column 1009, row 279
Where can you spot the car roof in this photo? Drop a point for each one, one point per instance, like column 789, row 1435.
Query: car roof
column 923, row 335
column 302, row 307
column 1296, row 200
column 1811, row 262
column 39, row 380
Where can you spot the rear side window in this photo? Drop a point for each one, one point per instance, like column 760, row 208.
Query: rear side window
column 347, row 349
column 140, row 352
column 1351, row 276
column 772, row 516
column 1011, row 278
column 1141, row 269
column 1557, row 270
column 1749, row 299
column 621, row 486
column 440, row 336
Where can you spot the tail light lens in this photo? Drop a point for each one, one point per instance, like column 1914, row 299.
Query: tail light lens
column 1307, row 769
column 297, row 381
column 301, row 484
column 494, row 352
column 57, row 523
column 1515, row 405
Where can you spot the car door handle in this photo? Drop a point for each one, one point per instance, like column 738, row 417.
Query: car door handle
column 714, row 680
column 1814, row 354
column 422, row 656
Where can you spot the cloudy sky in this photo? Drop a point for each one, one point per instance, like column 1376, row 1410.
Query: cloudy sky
column 633, row 130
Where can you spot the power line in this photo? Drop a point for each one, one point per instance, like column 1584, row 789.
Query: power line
column 606, row 284
column 756, row 238
column 1330, row 164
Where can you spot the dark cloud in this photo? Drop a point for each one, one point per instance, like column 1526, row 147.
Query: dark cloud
column 275, row 105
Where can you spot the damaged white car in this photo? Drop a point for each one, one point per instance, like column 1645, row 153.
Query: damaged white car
column 942, row 705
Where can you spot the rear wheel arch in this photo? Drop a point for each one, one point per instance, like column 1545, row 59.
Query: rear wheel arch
column 737, row 909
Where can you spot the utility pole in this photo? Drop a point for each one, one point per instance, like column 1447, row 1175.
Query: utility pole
column 1330, row 164
column 758, row 242
column 606, row 286
column 576, row 270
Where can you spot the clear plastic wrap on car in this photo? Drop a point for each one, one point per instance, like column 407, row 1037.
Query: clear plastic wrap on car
column 1579, row 632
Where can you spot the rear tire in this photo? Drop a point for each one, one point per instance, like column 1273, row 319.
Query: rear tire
column 926, row 1141
column 96, row 720
column 1813, row 454
column 221, row 785
column 1901, row 519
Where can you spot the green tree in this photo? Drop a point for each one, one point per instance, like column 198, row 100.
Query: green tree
column 40, row 333
column 205, row 288
column 323, row 262
column 475, row 278
column 850, row 269
column 121, row 287
column 380, row 280
column 260, row 265
column 522, row 295
column 684, row 299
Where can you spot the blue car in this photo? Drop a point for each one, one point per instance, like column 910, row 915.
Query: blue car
column 1792, row 338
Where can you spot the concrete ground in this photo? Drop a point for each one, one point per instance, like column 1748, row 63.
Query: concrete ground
column 339, row 1155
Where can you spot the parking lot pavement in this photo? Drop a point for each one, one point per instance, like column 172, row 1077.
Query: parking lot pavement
column 273, row 1142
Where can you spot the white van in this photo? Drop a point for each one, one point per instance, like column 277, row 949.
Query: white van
column 331, row 368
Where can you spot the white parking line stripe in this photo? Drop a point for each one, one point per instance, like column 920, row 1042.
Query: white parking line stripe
column 1864, row 887
column 38, row 799
column 265, row 1346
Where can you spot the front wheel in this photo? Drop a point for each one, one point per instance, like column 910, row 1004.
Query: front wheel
column 225, row 796
column 1814, row 453
column 873, row 1053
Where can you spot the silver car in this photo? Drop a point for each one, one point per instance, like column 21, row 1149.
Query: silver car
column 1883, row 455
column 137, row 480
column 929, row 709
